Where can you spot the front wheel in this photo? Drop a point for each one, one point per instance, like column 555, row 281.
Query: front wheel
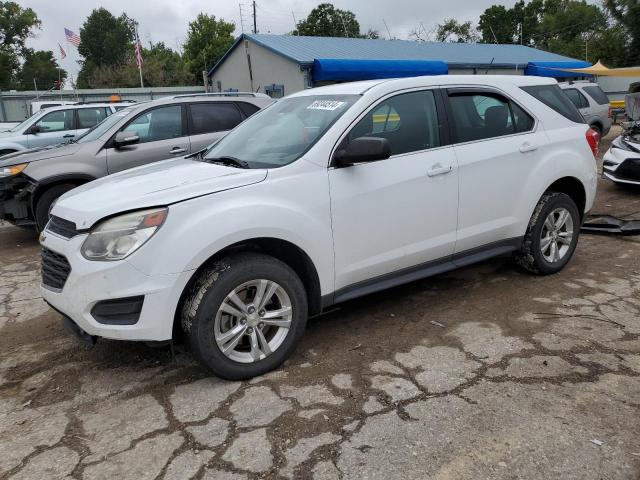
column 244, row 315
column 46, row 201
column 552, row 235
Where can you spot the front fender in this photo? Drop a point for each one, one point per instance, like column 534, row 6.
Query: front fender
column 11, row 146
column 194, row 231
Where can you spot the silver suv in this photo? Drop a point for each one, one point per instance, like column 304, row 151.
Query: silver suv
column 592, row 102
column 31, row 180
column 54, row 125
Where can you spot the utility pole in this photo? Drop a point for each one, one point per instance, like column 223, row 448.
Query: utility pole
column 255, row 24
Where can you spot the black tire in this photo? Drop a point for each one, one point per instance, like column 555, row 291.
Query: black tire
column 46, row 200
column 206, row 296
column 530, row 256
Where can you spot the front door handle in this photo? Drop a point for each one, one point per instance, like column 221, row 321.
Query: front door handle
column 438, row 169
column 177, row 150
column 528, row 147
column 68, row 135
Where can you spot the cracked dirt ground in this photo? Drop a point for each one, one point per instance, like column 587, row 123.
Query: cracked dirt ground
column 517, row 377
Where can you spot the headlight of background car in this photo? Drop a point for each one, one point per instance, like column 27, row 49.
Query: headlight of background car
column 12, row 170
column 118, row 237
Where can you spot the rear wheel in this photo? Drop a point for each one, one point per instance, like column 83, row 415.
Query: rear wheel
column 45, row 202
column 245, row 315
column 552, row 235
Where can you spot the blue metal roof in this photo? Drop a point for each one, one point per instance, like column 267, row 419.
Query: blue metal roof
column 304, row 50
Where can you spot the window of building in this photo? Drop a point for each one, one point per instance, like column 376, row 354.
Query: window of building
column 274, row 91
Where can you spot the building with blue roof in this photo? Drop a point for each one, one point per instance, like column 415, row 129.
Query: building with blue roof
column 282, row 64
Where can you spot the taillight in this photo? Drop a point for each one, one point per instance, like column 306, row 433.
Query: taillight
column 593, row 139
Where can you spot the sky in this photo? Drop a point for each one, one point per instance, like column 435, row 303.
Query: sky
column 167, row 20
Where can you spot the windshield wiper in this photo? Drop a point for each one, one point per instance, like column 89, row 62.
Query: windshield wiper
column 229, row 161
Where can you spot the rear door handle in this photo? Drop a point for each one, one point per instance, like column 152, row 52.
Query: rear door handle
column 438, row 169
column 528, row 147
column 177, row 150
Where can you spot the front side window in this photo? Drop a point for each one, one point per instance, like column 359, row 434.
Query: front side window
column 160, row 123
column 409, row 122
column 57, row 121
column 88, row 117
column 213, row 117
column 283, row 132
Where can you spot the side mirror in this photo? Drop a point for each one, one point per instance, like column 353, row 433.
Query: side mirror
column 125, row 138
column 33, row 129
column 363, row 149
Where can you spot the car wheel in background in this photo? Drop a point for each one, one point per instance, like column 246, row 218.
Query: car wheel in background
column 244, row 315
column 552, row 235
column 46, row 201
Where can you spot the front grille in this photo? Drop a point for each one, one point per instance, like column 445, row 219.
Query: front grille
column 62, row 227
column 55, row 269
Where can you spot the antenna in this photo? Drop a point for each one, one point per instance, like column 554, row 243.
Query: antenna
column 387, row 27
column 255, row 25
column 344, row 25
column 241, row 20
column 295, row 22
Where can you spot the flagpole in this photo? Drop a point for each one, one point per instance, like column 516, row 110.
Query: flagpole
column 139, row 56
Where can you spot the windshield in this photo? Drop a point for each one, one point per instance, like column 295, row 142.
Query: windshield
column 283, row 132
column 101, row 128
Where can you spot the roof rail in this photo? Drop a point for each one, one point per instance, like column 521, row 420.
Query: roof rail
column 222, row 94
column 104, row 101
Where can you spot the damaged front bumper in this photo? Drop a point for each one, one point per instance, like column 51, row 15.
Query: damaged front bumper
column 16, row 193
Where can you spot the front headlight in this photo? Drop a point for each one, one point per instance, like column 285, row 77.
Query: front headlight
column 118, row 237
column 12, row 170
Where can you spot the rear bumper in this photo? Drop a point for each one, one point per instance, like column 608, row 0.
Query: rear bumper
column 15, row 200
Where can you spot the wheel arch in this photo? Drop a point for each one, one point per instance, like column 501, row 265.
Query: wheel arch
column 572, row 187
column 42, row 186
column 285, row 251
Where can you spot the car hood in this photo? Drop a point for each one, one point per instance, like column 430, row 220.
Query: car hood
column 41, row 153
column 157, row 184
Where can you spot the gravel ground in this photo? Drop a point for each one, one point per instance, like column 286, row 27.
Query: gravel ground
column 485, row 372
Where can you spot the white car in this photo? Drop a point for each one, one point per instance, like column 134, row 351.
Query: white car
column 327, row 195
column 621, row 163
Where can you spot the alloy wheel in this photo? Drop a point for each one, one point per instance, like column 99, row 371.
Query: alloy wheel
column 253, row 321
column 556, row 235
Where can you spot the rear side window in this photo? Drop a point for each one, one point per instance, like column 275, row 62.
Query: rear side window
column 553, row 97
column 247, row 108
column 477, row 116
column 409, row 122
column 597, row 94
column 88, row 117
column 578, row 99
column 213, row 117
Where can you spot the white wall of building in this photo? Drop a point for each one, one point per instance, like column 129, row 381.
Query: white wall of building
column 267, row 68
column 616, row 87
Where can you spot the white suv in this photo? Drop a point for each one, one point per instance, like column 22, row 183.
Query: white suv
column 327, row 195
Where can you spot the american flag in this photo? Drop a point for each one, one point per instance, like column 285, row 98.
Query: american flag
column 63, row 54
column 138, row 50
column 72, row 38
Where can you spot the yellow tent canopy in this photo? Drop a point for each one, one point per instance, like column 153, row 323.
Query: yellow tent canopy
column 600, row 69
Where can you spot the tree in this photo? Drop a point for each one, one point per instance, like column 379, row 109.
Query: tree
column 452, row 31
column 327, row 21
column 16, row 25
column 41, row 66
column 496, row 25
column 162, row 67
column 627, row 14
column 208, row 40
column 106, row 41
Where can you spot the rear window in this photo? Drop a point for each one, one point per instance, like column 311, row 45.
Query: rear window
column 553, row 97
column 597, row 94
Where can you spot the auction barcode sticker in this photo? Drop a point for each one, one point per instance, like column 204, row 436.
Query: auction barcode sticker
column 325, row 105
